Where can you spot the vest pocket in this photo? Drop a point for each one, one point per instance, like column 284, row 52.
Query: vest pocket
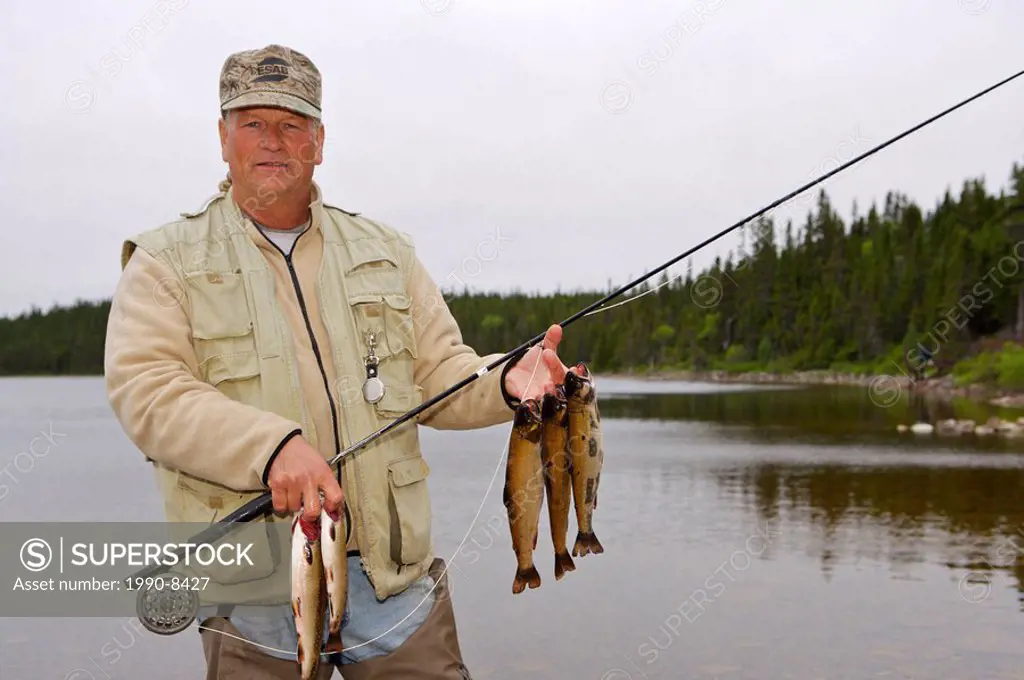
column 409, row 508
column 399, row 332
column 233, row 366
column 202, row 502
column 236, row 375
column 220, row 315
column 223, row 334
column 398, row 398
column 219, row 307
column 390, row 316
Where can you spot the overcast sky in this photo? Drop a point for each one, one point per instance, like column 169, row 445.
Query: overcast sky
column 644, row 127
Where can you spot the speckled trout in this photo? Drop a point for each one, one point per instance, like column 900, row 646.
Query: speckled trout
column 554, row 452
column 586, row 453
column 524, row 491
column 308, row 593
column 333, row 539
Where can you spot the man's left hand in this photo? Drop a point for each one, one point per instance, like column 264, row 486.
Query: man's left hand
column 539, row 370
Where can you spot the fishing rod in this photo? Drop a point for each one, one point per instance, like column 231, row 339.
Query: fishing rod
column 260, row 505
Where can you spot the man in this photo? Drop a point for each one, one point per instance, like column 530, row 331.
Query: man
column 254, row 339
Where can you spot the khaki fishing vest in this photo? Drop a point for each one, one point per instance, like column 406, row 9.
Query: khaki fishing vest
column 244, row 347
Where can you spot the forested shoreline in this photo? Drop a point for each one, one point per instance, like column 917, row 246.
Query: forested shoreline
column 828, row 294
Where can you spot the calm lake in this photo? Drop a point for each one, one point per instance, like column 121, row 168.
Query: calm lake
column 763, row 533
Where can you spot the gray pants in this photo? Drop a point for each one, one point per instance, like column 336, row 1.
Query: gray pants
column 431, row 652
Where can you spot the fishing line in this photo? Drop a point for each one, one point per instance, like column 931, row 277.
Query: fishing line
column 518, row 351
column 447, row 563
column 257, row 506
column 870, row 152
column 635, row 297
column 263, row 503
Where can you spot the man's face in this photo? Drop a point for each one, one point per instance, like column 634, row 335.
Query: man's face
column 270, row 149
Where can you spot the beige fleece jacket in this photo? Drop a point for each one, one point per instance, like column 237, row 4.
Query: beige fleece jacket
column 175, row 418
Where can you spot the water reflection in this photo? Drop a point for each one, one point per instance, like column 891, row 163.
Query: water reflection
column 811, row 413
column 914, row 505
column 965, row 518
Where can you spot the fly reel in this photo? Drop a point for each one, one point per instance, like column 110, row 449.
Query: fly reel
column 165, row 608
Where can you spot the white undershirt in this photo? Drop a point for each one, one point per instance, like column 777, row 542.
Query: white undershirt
column 283, row 238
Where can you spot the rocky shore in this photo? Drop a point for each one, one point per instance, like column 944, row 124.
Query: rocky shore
column 943, row 388
column 952, row 426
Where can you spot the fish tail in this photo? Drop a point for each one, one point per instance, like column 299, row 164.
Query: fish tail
column 563, row 563
column 334, row 622
column 526, row 577
column 333, row 644
column 587, row 543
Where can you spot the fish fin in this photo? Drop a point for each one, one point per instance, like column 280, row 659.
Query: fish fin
column 333, row 644
column 563, row 563
column 506, row 491
column 586, row 544
column 579, row 548
column 526, row 577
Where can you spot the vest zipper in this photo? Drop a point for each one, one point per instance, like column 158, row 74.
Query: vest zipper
column 312, row 338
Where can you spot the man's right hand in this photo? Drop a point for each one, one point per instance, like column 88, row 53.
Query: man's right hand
column 296, row 477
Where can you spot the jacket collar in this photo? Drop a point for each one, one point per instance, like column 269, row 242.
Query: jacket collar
column 247, row 224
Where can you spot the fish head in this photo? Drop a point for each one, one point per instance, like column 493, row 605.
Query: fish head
column 528, row 416
column 554, row 405
column 579, row 383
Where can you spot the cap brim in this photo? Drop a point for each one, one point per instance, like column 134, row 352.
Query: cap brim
column 275, row 99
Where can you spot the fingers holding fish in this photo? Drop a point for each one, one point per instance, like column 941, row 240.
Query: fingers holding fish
column 555, row 366
column 333, row 495
column 297, row 475
column 311, row 502
column 552, row 337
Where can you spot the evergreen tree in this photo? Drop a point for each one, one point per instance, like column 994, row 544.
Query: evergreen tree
column 824, row 294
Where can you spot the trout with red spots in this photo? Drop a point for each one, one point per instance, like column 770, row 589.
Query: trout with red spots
column 308, row 593
column 333, row 539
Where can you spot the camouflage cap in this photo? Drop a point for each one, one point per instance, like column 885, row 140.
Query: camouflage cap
column 271, row 76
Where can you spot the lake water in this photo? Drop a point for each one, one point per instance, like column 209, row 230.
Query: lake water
column 761, row 533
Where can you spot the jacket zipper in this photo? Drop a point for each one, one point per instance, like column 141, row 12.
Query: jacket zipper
column 312, row 338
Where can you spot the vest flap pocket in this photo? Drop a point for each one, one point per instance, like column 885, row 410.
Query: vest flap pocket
column 219, row 308
column 409, row 510
column 408, row 471
column 230, row 366
column 399, row 398
column 374, row 281
column 203, row 502
column 389, row 315
column 398, row 301
column 369, row 253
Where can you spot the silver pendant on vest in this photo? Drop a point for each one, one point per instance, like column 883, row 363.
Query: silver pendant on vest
column 373, row 386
